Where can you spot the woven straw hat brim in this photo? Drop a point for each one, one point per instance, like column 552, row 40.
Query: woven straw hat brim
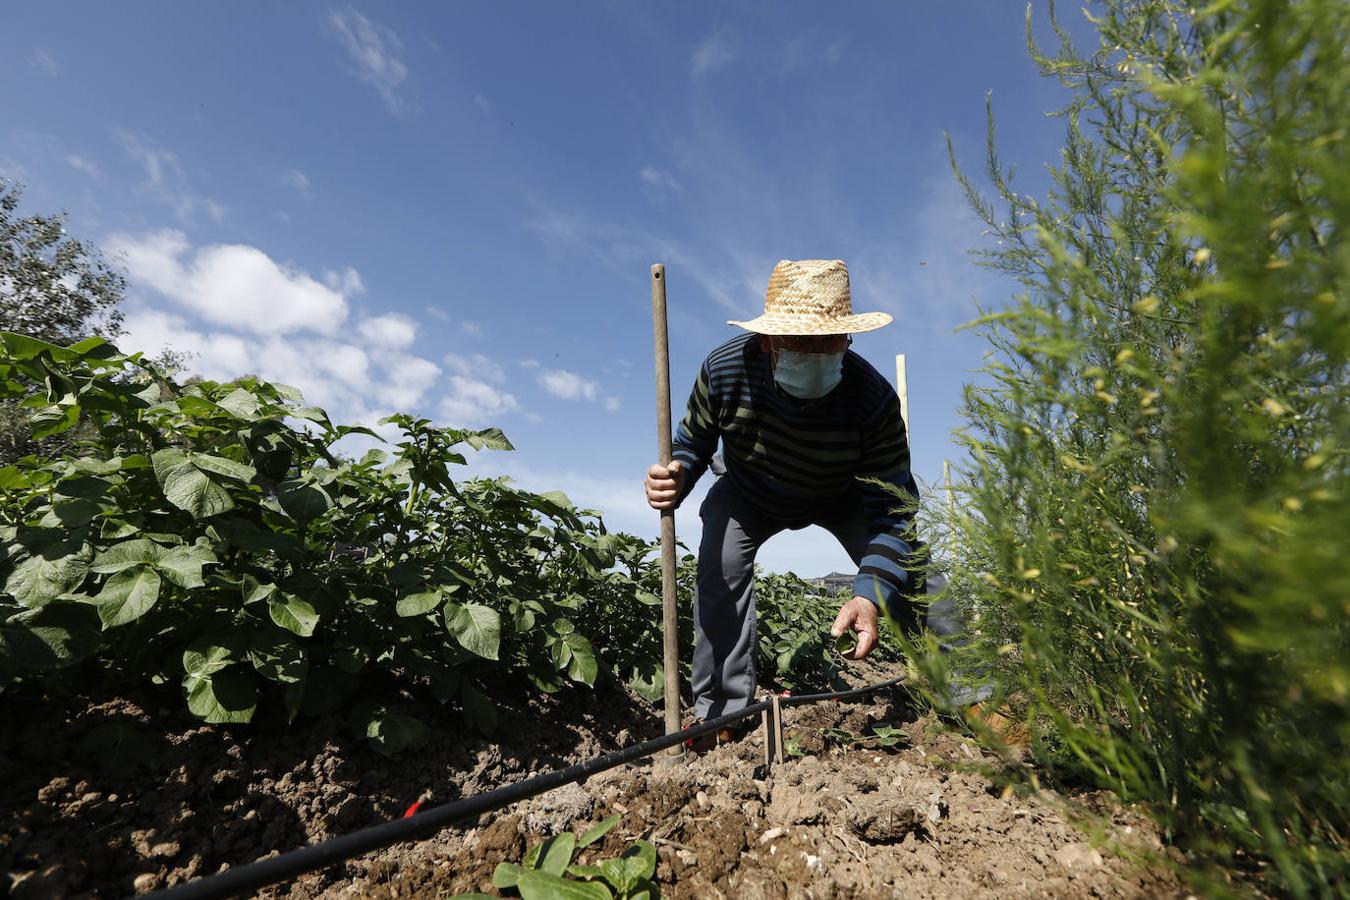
column 807, row 324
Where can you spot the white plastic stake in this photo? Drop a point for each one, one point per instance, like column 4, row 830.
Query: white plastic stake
column 902, row 388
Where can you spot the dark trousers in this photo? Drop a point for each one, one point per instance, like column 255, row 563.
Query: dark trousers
column 724, row 605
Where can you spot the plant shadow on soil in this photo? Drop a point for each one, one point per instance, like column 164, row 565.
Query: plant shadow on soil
column 108, row 795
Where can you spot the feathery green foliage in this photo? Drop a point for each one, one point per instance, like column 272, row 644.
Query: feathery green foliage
column 1153, row 535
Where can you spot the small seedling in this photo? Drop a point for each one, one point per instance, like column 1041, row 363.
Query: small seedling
column 841, row 736
column 548, row 873
column 887, row 735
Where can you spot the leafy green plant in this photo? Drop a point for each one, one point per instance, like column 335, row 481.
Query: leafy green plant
column 208, row 535
column 1151, row 540
column 548, row 872
column 794, row 633
column 201, row 535
column 884, row 734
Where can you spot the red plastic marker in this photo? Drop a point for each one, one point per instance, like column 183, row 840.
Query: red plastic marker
column 412, row 810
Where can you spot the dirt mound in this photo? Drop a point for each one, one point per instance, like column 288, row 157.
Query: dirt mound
column 843, row 821
column 128, row 796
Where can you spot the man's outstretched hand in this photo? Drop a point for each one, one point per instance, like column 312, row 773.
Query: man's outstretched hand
column 860, row 615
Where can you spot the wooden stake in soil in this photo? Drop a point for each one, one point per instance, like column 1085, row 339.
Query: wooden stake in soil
column 669, row 619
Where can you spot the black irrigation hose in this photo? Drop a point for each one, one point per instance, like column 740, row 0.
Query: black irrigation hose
column 266, row 872
column 802, row 699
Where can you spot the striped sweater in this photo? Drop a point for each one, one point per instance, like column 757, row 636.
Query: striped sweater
column 794, row 458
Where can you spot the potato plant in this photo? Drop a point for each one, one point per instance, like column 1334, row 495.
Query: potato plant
column 208, row 535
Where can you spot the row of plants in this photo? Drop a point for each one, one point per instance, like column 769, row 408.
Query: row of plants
column 207, row 534
column 1152, row 528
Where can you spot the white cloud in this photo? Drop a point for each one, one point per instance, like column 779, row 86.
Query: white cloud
column 471, row 402
column 717, row 50
column 82, row 164
column 571, row 386
column 232, row 285
column 44, row 61
column 347, row 282
column 476, row 366
column 482, row 103
column 659, row 182
column 389, row 332
column 472, row 329
column 353, row 385
column 568, row 385
column 165, row 181
column 437, row 313
column 409, row 378
column 376, row 52
column 294, row 178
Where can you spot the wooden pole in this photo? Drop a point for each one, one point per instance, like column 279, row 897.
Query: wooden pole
column 669, row 617
column 902, row 388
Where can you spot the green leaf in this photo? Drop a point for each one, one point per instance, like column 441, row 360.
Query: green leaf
column 55, row 635
column 255, row 591
column 557, row 853
column 597, row 831
column 227, row 695
column 638, row 863
column 127, row 596
column 278, row 657
column 12, row 479
column 505, row 875
column 205, row 657
column 580, row 871
column 241, row 403
column 478, row 629
column 649, row 681
column 58, row 568
column 71, row 513
column 303, row 500
column 489, row 438
column 287, row 392
column 183, row 565
column 126, row 554
column 22, row 347
column 583, row 667
column 419, row 604
column 558, row 498
column 54, row 420
column 390, row 732
column 478, row 709
column 534, row 885
column 226, row 468
column 189, row 488
column 292, row 613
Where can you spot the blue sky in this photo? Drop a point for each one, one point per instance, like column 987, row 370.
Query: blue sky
column 451, row 209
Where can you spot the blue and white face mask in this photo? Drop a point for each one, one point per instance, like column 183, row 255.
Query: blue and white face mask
column 808, row 376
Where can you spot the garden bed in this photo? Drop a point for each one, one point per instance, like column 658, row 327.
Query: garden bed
column 127, row 795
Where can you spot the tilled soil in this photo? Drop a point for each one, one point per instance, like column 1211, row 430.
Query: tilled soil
column 842, row 820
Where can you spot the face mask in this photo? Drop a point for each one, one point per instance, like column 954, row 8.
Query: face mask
column 808, row 376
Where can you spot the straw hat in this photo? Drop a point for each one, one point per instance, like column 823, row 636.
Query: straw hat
column 811, row 296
